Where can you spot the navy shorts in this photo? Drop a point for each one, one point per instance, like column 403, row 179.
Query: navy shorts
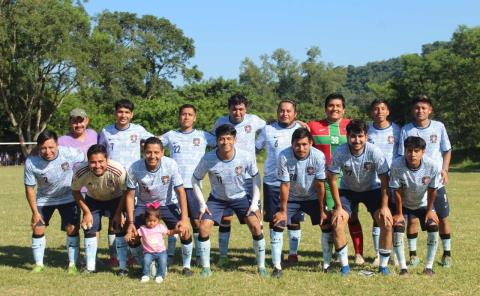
column 248, row 187
column 217, row 207
column 170, row 215
column 310, row 207
column 442, row 208
column 271, row 204
column 100, row 209
column 69, row 214
column 419, row 213
column 193, row 205
column 372, row 199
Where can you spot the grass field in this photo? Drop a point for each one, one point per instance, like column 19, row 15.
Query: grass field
column 240, row 278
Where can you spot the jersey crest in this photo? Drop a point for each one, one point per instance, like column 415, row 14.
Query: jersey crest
column 65, row 166
column 165, row 180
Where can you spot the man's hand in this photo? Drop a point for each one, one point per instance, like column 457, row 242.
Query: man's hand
column 119, row 221
column 398, row 219
column 279, row 217
column 37, row 220
column 431, row 215
column 183, row 227
column 131, row 232
column 339, row 215
column 323, row 216
column 204, row 209
column 385, row 216
column 87, row 221
column 444, row 175
column 253, row 209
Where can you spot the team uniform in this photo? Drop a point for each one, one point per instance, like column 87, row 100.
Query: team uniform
column 53, row 179
column 102, row 198
column 413, row 185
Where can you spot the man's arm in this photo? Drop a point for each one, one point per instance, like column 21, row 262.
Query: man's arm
column 385, row 213
column 32, row 202
column 431, row 215
column 320, row 188
column 256, row 194
column 182, row 225
column 447, row 156
column 199, row 194
column 87, row 220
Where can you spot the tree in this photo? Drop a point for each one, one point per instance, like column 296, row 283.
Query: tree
column 42, row 58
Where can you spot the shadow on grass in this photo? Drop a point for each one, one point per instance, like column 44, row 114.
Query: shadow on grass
column 21, row 257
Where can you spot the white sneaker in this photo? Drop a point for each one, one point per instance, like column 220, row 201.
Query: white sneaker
column 376, row 261
column 158, row 279
column 144, row 279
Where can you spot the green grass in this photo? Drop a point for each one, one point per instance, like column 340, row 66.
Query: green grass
column 240, row 278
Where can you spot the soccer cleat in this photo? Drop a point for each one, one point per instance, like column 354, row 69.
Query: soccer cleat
column 414, row 261
column 376, row 261
column 145, row 279
column 384, row 271
column 89, row 272
column 277, row 273
column 206, row 272
column 446, row 261
column 187, row 271
column 170, row 260
column 327, row 269
column 403, row 271
column 262, row 272
column 292, row 259
column 122, row 273
column 359, row 259
column 223, row 261
column 428, row 271
column 38, row 269
column 112, row 262
column 158, row 280
column 72, row 269
column 345, row 270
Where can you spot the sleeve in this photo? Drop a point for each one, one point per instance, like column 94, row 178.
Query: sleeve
column 252, row 169
column 102, row 139
column 76, row 185
column 123, row 180
column 141, row 231
column 28, row 176
column 336, row 162
column 436, row 179
column 381, row 163
column 210, row 138
column 320, row 169
column 260, row 142
column 401, row 149
column 165, row 139
column 131, row 182
column 282, row 169
column 177, row 178
column 394, row 178
column 259, row 123
column 445, row 141
column 163, row 230
column 201, row 169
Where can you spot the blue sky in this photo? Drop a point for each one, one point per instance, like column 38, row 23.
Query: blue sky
column 347, row 32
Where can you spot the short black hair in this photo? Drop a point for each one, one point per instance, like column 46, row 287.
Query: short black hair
column 45, row 136
column 301, row 133
column 185, row 106
column 237, row 99
column 225, row 129
column 413, row 142
column 356, row 127
column 95, row 149
column 421, row 99
column 378, row 102
column 287, row 100
column 124, row 103
column 152, row 141
column 334, row 96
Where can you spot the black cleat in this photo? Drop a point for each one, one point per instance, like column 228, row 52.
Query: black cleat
column 122, row 273
column 403, row 271
column 277, row 273
column 187, row 272
column 428, row 271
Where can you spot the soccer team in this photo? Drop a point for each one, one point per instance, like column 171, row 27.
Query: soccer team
column 323, row 168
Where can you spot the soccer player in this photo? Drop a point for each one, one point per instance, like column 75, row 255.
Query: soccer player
column 328, row 134
column 105, row 182
column 276, row 137
column 51, row 170
column 187, row 146
column 362, row 164
column 301, row 171
column 440, row 151
column 160, row 182
column 385, row 135
column 246, row 126
column 228, row 169
column 413, row 176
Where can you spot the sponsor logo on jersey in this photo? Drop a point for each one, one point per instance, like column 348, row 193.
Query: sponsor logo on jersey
column 165, row 180
column 239, row 170
column 433, row 138
column 133, row 138
column 390, row 139
column 368, row 166
column 65, row 166
column 310, row 170
column 426, row 180
column 196, row 141
column 248, row 129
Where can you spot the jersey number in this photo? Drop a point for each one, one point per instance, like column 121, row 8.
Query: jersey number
column 335, row 140
column 176, row 149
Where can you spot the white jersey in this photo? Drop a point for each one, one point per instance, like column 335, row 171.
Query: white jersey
column 435, row 135
column 53, row 177
column 275, row 139
column 301, row 173
column 155, row 185
column 123, row 146
column 359, row 171
column 386, row 139
column 227, row 178
column 246, row 131
column 414, row 183
column 187, row 149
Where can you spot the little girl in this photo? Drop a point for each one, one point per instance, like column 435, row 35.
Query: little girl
column 152, row 234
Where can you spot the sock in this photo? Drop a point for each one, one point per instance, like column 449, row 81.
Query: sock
column 91, row 252
column 121, row 245
column 412, row 244
column 137, row 252
column 195, row 241
column 384, row 257
column 376, row 238
column 276, row 242
column 327, row 246
column 342, row 253
column 204, row 251
column 357, row 237
column 259, row 248
column 294, row 237
column 38, row 248
column 172, row 244
column 223, row 239
column 398, row 246
column 112, row 250
column 187, row 249
column 432, row 244
column 446, row 244
column 73, row 243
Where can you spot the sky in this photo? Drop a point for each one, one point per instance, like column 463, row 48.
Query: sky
column 347, row 32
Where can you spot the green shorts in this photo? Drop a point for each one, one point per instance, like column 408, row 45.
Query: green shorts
column 328, row 194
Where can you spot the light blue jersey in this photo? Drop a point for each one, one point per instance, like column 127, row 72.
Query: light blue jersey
column 54, row 177
column 246, row 131
column 386, row 139
column 301, row 173
column 227, row 178
column 359, row 171
column 187, row 149
column 275, row 139
column 155, row 185
column 414, row 183
column 123, row 146
column 435, row 135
